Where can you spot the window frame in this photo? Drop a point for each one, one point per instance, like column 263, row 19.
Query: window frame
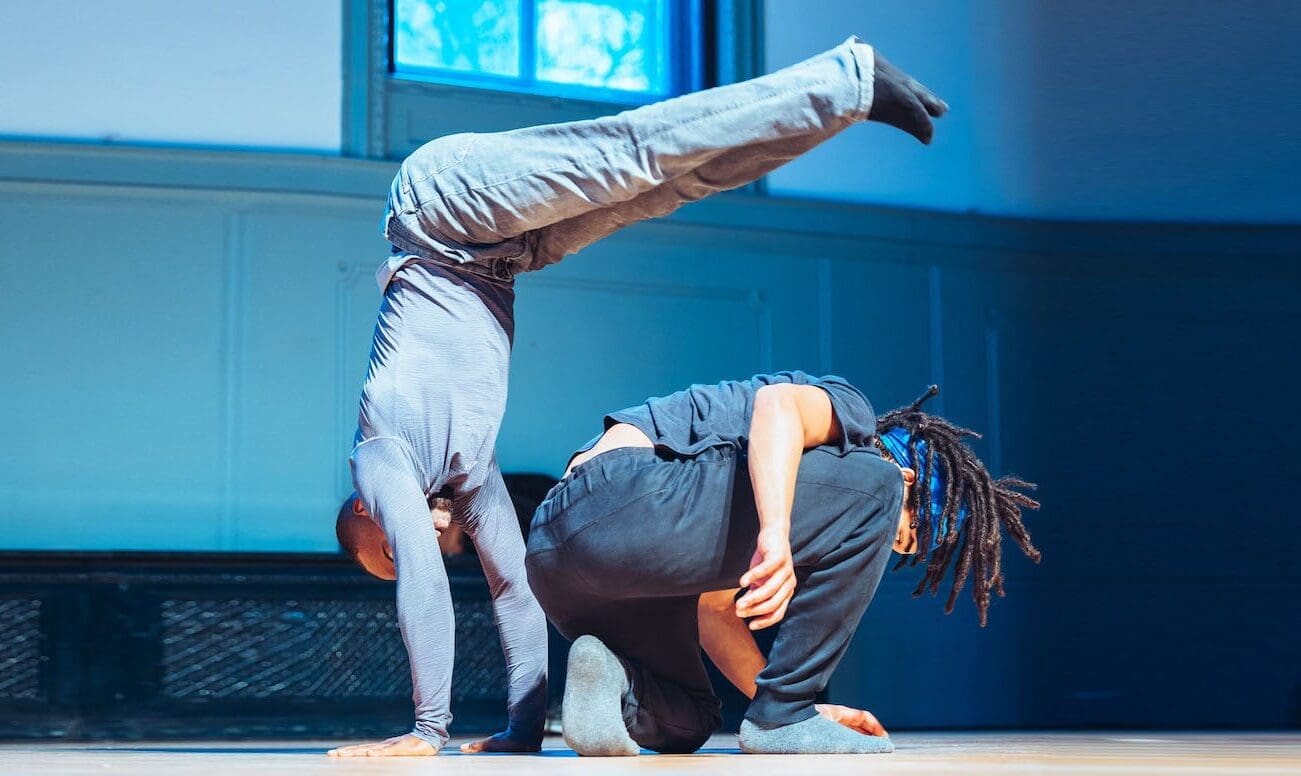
column 387, row 115
column 685, row 74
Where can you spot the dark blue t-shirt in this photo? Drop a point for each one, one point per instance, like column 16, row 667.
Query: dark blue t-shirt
column 711, row 416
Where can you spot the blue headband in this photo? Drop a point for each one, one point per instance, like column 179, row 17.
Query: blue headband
column 912, row 455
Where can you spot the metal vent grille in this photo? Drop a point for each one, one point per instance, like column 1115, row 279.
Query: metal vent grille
column 20, row 649
column 241, row 649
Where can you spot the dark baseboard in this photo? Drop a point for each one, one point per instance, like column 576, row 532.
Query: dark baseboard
column 158, row 646
column 144, row 645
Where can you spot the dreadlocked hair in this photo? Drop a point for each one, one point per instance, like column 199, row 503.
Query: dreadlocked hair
column 992, row 505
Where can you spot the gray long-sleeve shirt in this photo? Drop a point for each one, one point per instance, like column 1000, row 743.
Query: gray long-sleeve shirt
column 430, row 411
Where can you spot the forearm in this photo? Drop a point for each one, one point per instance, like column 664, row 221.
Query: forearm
column 489, row 518
column 728, row 641
column 776, row 444
column 389, row 491
column 425, row 614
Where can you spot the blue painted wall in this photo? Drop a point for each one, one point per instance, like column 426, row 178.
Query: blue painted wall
column 1162, row 110
column 182, row 364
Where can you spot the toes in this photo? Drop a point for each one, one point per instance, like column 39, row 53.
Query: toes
column 934, row 106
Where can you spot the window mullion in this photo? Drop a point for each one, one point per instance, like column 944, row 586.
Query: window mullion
column 691, row 23
column 528, row 41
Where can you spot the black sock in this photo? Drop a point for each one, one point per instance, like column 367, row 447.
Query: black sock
column 900, row 101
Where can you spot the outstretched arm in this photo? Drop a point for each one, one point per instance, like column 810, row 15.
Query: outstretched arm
column 489, row 519
column 787, row 420
column 389, row 490
column 731, row 647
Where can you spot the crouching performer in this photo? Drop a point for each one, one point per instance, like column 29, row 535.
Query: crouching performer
column 785, row 488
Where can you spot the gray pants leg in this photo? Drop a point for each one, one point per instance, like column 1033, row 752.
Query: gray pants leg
column 536, row 194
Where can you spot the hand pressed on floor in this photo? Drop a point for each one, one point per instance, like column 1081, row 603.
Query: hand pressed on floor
column 397, row 746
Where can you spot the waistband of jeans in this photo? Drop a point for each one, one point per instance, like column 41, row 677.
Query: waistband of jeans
column 609, row 456
column 579, row 481
column 636, row 451
column 593, row 472
column 599, row 461
column 502, row 270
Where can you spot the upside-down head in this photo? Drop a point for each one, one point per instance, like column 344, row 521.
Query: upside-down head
column 363, row 539
column 958, row 509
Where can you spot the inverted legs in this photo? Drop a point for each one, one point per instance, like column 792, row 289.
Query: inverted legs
column 459, row 195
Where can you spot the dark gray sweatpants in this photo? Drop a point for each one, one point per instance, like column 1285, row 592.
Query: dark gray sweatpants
column 622, row 548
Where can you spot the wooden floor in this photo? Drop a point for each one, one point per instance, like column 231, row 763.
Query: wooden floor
column 918, row 753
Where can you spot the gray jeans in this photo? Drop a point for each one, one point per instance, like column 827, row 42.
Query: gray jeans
column 520, row 200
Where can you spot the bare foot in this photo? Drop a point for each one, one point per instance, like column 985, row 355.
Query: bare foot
column 501, row 742
column 397, row 746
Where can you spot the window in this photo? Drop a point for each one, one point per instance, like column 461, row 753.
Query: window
column 626, row 51
column 418, row 69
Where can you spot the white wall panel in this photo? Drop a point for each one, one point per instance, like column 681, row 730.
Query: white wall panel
column 241, row 73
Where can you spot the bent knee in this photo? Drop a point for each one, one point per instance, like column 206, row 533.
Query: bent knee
column 685, row 739
column 419, row 172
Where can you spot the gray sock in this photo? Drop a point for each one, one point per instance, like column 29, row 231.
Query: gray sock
column 592, row 710
column 815, row 735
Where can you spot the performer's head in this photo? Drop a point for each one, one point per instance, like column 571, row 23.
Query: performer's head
column 954, row 511
column 363, row 539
